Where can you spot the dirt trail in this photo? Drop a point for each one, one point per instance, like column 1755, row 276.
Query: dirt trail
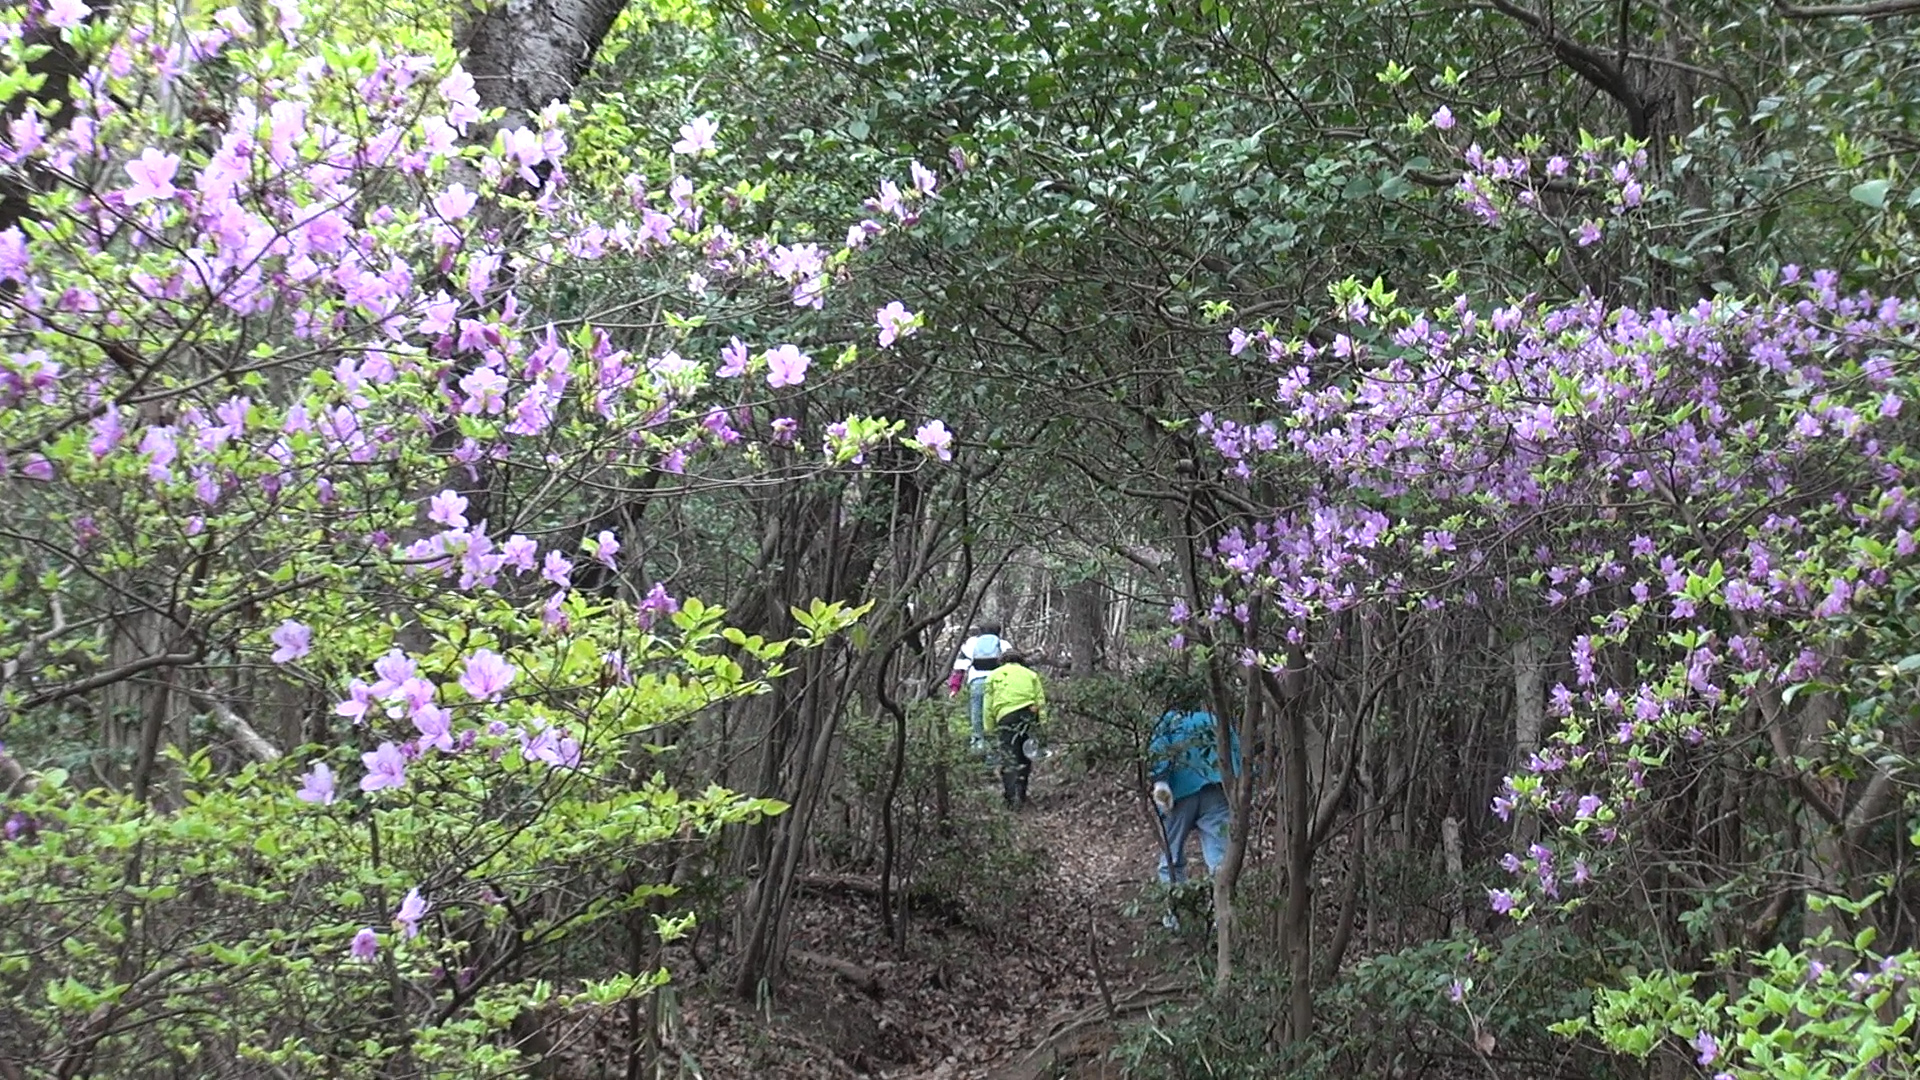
column 1017, row 1001
column 1093, row 954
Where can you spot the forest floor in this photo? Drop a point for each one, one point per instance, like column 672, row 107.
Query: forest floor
column 1040, row 995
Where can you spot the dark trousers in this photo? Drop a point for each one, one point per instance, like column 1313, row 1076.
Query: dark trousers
column 1014, row 764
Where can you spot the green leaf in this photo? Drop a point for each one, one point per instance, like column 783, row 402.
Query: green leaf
column 1871, row 193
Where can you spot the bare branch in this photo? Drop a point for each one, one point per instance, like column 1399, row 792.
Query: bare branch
column 1604, row 74
column 113, row 675
column 236, row 726
column 15, row 776
column 1879, row 9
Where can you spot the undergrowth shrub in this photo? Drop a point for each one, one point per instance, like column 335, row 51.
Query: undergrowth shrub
column 1453, row 1007
column 1101, row 723
column 957, row 852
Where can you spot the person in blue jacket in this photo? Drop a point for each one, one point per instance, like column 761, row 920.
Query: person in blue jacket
column 1184, row 765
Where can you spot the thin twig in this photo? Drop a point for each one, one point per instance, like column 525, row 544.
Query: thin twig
column 1099, row 975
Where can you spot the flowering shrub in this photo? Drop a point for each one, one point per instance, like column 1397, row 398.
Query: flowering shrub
column 292, row 410
column 1711, row 507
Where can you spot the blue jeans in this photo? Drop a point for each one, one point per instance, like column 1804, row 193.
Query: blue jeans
column 976, row 707
column 1206, row 809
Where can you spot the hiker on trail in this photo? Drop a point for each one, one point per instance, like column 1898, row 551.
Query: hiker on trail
column 979, row 655
column 1184, row 765
column 1014, row 704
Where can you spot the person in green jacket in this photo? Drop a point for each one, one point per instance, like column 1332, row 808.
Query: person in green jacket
column 1015, row 703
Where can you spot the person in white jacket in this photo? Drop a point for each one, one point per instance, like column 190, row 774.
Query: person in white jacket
column 979, row 654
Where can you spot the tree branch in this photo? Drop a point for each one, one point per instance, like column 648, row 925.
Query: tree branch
column 113, row 675
column 15, row 776
column 1879, row 9
column 1607, row 77
column 236, row 726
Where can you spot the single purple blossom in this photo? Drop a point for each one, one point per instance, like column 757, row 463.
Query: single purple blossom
column 412, row 910
column 386, row 768
column 923, row 179
column 18, row 825
column 558, row 569
column 316, row 785
column 448, row 508
column 787, row 366
column 657, row 604
column 935, row 437
column 518, row 552
column 605, row 547
column 1709, row 1048
column 696, row 136
column 487, row 674
column 359, row 700
column 733, row 359
column 152, row 174
column 454, row 203
column 66, row 14
column 435, row 726
column 292, row 640
column 895, row 322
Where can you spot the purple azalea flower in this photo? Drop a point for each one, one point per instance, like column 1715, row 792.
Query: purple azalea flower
column 292, row 640
column 316, row 785
column 657, row 604
column 412, row 910
column 787, row 366
column 935, row 437
column 435, row 725
column 606, row 546
column 386, row 768
column 558, row 569
column 486, row 676
column 1708, row 1048
column 448, row 508
column 895, row 322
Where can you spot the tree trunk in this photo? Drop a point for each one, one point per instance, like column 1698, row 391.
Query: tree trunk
column 125, row 705
column 1298, row 810
column 1086, row 621
column 1349, row 912
column 1529, row 713
column 1456, row 874
column 842, row 551
column 1239, row 791
column 525, row 54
